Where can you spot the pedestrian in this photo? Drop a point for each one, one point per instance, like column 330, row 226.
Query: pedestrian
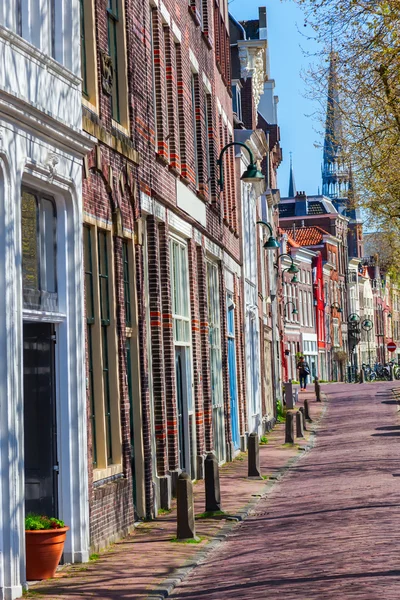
column 304, row 371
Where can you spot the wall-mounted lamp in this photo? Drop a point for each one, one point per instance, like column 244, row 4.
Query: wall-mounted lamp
column 292, row 269
column 251, row 175
column 336, row 306
column 294, row 311
column 271, row 243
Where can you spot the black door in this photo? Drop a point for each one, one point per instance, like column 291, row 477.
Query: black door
column 40, row 420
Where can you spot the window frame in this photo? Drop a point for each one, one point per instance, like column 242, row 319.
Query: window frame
column 106, row 393
column 41, row 246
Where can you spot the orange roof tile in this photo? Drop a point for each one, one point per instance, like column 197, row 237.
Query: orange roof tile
column 306, row 236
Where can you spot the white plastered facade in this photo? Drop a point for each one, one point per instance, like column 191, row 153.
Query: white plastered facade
column 41, row 146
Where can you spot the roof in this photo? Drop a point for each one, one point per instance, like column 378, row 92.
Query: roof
column 314, row 208
column 306, row 236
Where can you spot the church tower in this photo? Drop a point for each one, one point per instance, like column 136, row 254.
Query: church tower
column 335, row 174
column 337, row 177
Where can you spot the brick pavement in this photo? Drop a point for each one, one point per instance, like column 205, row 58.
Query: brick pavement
column 329, row 530
column 135, row 566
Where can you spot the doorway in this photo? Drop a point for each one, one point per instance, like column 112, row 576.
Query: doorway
column 232, row 373
column 40, row 430
column 185, row 410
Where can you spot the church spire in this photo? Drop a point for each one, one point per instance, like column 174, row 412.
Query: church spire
column 334, row 172
column 292, row 184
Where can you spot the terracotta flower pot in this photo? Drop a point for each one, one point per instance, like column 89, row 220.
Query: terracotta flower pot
column 44, row 548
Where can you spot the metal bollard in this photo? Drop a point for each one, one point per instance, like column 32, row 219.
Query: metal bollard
column 299, row 425
column 289, row 428
column 185, row 529
column 211, row 477
column 307, row 411
column 301, row 411
column 317, row 387
column 253, row 449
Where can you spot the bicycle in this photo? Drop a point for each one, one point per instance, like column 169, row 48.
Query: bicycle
column 369, row 373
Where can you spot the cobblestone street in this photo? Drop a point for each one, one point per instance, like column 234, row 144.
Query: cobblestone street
column 329, row 530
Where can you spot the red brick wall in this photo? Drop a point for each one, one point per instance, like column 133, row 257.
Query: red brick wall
column 162, row 132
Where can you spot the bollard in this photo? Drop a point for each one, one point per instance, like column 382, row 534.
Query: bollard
column 211, row 477
column 307, row 411
column 362, row 376
column 317, row 389
column 299, row 425
column 184, row 508
column 289, row 394
column 253, row 448
column 301, row 411
column 289, row 429
column 391, row 372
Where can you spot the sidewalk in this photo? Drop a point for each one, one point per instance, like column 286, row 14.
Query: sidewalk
column 149, row 563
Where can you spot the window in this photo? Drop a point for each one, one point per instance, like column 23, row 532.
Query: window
column 88, row 53
column 127, row 290
column 181, row 110
column 83, row 50
column 105, row 322
column 113, row 19
column 195, row 111
column 237, row 99
column 39, row 251
column 335, row 327
column 90, row 316
column 102, row 352
column 179, row 292
column 215, row 358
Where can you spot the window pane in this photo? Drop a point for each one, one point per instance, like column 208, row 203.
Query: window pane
column 107, row 398
column 83, row 49
column 103, row 277
column 49, row 247
column 88, row 260
column 113, row 52
column 127, row 291
column 30, row 256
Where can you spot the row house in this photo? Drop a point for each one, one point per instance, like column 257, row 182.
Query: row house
column 298, row 308
column 43, row 451
column 255, row 119
column 316, row 224
column 164, row 296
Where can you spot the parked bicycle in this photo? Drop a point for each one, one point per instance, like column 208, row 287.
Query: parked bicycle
column 369, row 373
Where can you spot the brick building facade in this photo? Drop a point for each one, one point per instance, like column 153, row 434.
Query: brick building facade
column 164, row 302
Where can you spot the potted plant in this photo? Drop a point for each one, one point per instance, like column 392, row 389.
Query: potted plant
column 44, row 542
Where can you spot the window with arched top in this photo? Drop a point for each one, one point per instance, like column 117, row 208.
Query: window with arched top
column 39, row 251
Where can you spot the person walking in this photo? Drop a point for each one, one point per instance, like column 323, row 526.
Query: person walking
column 304, row 371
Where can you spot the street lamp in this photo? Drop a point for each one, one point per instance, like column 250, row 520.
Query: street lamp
column 354, row 318
column 271, row 243
column 367, row 325
column 336, row 305
column 354, row 338
column 292, row 269
column 294, row 311
column 251, row 175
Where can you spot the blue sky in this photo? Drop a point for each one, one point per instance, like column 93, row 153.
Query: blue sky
column 298, row 128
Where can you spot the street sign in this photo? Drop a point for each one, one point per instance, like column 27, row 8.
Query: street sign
column 392, row 347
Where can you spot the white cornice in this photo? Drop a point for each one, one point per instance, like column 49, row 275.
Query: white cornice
column 38, row 122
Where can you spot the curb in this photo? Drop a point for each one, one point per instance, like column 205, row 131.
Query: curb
column 165, row 589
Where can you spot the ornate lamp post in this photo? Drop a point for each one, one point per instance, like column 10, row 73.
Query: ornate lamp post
column 367, row 325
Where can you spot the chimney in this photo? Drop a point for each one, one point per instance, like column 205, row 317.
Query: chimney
column 302, row 223
column 301, row 206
